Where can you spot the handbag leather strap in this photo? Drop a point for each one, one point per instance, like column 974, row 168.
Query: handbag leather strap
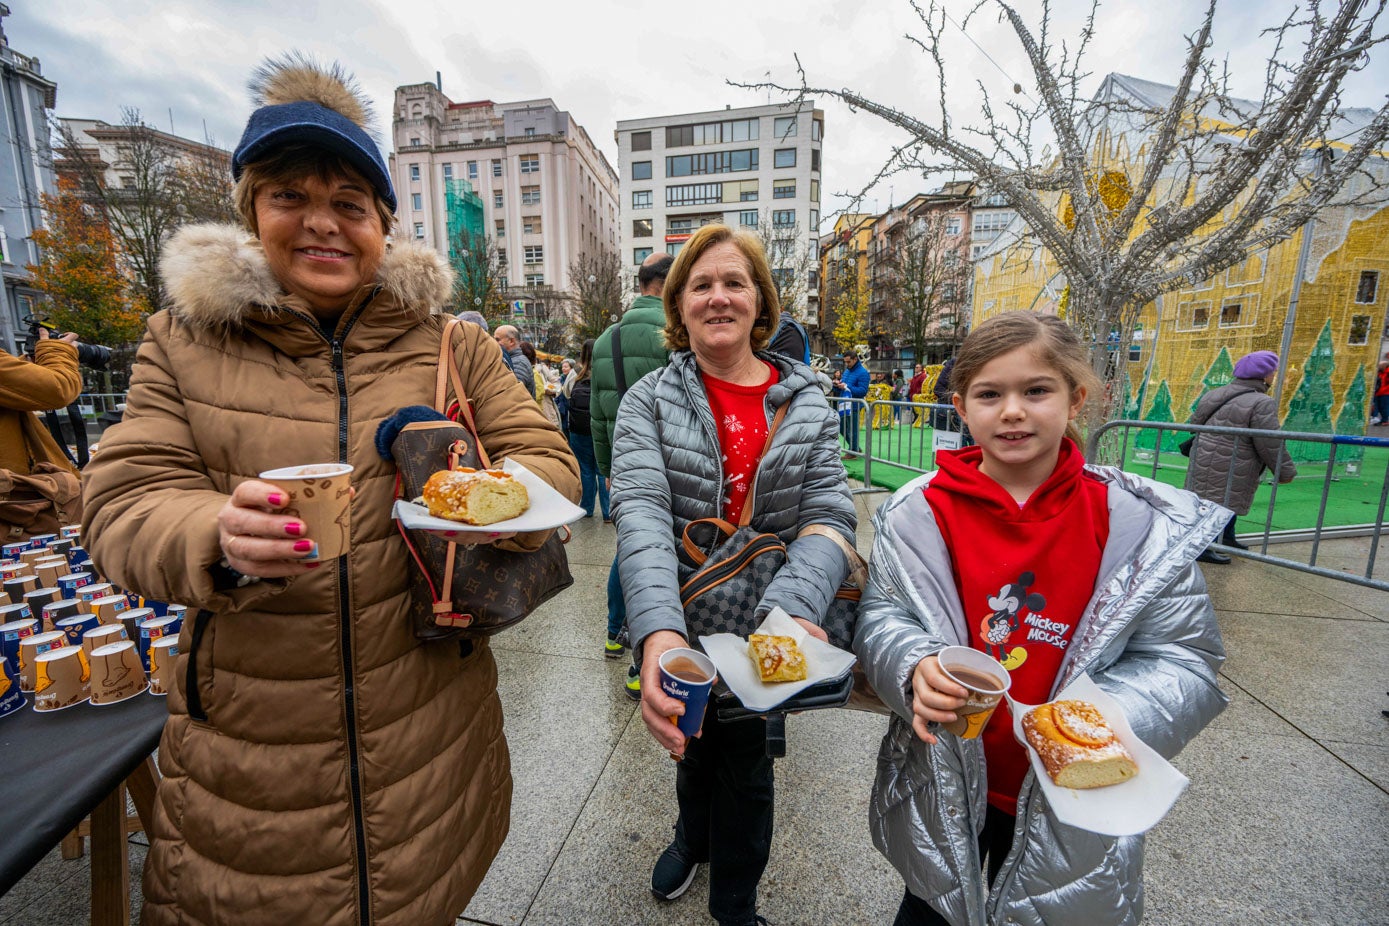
column 448, row 372
column 746, row 518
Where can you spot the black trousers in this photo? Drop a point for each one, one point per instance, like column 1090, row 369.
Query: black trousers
column 726, row 795
column 994, row 842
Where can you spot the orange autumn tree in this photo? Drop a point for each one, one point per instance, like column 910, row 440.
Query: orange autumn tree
column 80, row 272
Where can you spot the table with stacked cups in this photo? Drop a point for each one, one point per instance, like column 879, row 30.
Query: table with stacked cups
column 82, row 667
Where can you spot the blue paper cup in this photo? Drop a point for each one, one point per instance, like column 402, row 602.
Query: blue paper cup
column 12, row 550
column 687, row 675
column 76, row 626
column 153, row 629
column 12, row 632
column 70, row 583
column 11, row 697
column 78, row 557
column 39, row 541
column 178, row 611
column 159, row 608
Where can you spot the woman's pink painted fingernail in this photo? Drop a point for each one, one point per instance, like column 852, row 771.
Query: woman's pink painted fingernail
column 450, row 533
column 303, row 546
column 312, row 565
column 495, row 534
column 294, row 528
column 276, row 499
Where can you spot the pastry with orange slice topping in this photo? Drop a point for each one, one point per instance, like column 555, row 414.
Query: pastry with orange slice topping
column 1077, row 746
column 475, row 496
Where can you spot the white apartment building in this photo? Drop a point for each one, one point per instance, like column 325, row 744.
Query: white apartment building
column 548, row 196
column 753, row 166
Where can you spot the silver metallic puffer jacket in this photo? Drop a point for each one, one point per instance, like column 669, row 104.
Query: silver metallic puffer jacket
column 667, row 471
column 1148, row 637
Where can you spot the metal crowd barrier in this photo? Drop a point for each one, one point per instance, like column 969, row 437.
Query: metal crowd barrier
column 888, row 434
column 98, row 403
column 1268, row 535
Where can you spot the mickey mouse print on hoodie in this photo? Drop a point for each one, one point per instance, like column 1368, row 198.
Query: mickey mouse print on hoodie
column 1016, row 569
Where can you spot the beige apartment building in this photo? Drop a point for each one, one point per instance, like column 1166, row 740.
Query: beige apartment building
column 526, row 174
column 755, row 167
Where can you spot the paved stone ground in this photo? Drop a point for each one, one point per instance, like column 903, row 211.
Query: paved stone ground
column 1284, row 822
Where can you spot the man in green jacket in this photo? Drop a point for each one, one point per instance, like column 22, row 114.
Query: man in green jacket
column 643, row 349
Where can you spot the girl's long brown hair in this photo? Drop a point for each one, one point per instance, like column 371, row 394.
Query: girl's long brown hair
column 1054, row 342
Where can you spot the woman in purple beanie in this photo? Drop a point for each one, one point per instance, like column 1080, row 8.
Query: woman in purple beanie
column 1244, row 403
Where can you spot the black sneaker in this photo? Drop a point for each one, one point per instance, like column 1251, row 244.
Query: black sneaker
column 673, row 873
column 1213, row 556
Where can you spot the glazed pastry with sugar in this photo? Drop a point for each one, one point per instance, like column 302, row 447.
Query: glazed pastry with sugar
column 1077, row 747
column 475, row 496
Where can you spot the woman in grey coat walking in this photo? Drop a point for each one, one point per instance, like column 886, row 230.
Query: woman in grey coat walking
column 686, row 447
column 1226, row 468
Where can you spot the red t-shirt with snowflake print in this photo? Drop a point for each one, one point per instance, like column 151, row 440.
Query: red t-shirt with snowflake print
column 741, row 414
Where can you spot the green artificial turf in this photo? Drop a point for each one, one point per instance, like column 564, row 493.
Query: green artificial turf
column 1353, row 497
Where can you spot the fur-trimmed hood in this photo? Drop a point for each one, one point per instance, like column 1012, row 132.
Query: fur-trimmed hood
column 217, row 275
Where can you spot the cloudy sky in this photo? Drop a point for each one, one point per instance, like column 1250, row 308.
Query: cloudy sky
column 606, row 60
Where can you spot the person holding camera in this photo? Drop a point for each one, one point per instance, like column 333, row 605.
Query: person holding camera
column 39, row 490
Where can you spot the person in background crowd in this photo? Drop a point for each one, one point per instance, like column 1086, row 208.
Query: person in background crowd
column 1018, row 527
column 475, row 318
column 688, row 446
column 1382, row 391
column 791, row 340
column 942, row 419
column 510, row 340
column 51, row 380
column 581, row 435
column 566, row 384
column 546, row 384
column 640, row 338
column 320, row 763
column 1244, row 403
column 854, row 384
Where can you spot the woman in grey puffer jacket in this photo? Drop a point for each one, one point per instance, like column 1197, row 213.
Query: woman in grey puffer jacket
column 1225, row 468
column 1148, row 637
column 686, row 447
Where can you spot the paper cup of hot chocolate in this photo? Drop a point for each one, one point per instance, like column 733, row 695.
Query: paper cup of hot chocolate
column 94, row 590
column 14, row 569
column 110, row 607
column 319, row 495
column 55, row 611
column 11, row 698
column 163, row 658
column 154, row 629
column 70, row 531
column 985, row 680
column 49, row 571
column 687, row 675
column 102, row 635
column 15, row 612
column 117, row 674
column 77, row 626
column 62, row 678
column 70, row 583
column 40, row 597
column 33, row 555
column 30, row 648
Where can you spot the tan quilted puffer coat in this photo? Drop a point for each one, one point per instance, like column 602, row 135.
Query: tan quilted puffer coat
column 345, row 773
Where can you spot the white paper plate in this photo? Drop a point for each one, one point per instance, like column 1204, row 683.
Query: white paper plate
column 1126, row 809
column 548, row 509
column 730, row 654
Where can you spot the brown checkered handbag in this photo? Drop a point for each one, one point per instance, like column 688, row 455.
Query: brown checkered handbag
column 459, row 590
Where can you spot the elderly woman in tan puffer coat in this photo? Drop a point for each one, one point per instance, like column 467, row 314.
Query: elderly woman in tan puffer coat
column 321, row 765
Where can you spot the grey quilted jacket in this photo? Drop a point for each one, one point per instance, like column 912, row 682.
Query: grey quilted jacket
column 667, row 471
column 1148, row 637
column 1241, row 404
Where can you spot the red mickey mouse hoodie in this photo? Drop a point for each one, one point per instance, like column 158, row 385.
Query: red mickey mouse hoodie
column 1024, row 575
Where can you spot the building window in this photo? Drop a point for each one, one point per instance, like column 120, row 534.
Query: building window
column 694, row 194
column 953, row 225
column 641, row 170
column 815, row 191
column 817, row 128
column 1232, row 315
column 414, row 171
column 530, row 131
column 534, row 253
column 416, row 202
column 641, row 228
column 419, row 229
column 530, row 163
column 496, row 167
column 814, row 220
column 641, row 141
column 641, row 199
column 448, row 171
column 711, row 133
column 530, row 195
column 815, row 160
column 501, row 229
column 716, row 162
column 1367, row 291
column 414, row 141
column 783, row 127
column 497, row 199
column 784, row 157
column 1193, row 316
column 531, row 225
column 783, row 218
column 783, row 189
column 501, row 257
column 673, row 247
column 535, row 279
column 748, row 194
column 748, row 218
column 472, row 170
column 1359, row 330
column 641, row 254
